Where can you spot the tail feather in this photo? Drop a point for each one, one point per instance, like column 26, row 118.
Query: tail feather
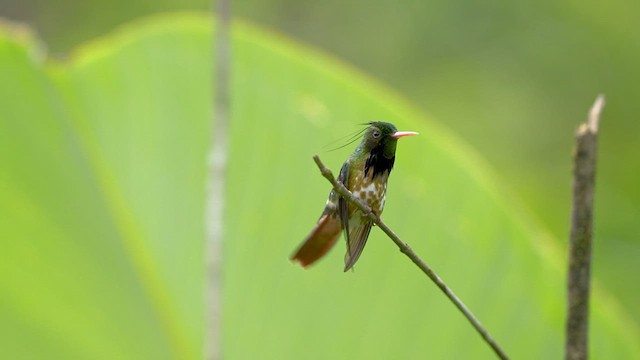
column 320, row 240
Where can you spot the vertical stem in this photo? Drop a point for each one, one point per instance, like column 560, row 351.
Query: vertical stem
column 216, row 184
column 578, row 280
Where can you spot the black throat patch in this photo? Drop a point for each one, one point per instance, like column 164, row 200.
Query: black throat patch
column 378, row 163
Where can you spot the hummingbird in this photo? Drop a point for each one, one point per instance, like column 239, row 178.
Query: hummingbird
column 365, row 174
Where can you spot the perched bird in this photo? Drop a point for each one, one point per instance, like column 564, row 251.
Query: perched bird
column 365, row 174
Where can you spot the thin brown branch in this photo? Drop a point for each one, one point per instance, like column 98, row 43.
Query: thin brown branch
column 405, row 249
column 578, row 280
column 216, row 185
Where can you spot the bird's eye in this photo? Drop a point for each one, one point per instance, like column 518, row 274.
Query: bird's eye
column 376, row 134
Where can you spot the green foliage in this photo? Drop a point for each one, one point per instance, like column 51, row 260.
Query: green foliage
column 513, row 79
column 102, row 184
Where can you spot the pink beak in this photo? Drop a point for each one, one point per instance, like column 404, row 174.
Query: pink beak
column 399, row 134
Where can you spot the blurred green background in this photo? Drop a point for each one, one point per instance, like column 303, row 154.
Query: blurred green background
column 512, row 79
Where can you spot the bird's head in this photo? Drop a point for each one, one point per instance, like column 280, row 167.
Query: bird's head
column 379, row 145
column 381, row 138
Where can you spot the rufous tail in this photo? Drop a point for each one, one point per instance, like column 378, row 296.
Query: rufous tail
column 320, row 240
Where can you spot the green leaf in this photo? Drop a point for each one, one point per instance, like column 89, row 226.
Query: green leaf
column 102, row 184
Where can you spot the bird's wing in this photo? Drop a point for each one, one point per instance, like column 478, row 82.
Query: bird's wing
column 343, row 205
column 359, row 228
column 356, row 229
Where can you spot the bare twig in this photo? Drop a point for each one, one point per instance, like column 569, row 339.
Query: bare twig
column 405, row 249
column 216, row 185
column 584, row 172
